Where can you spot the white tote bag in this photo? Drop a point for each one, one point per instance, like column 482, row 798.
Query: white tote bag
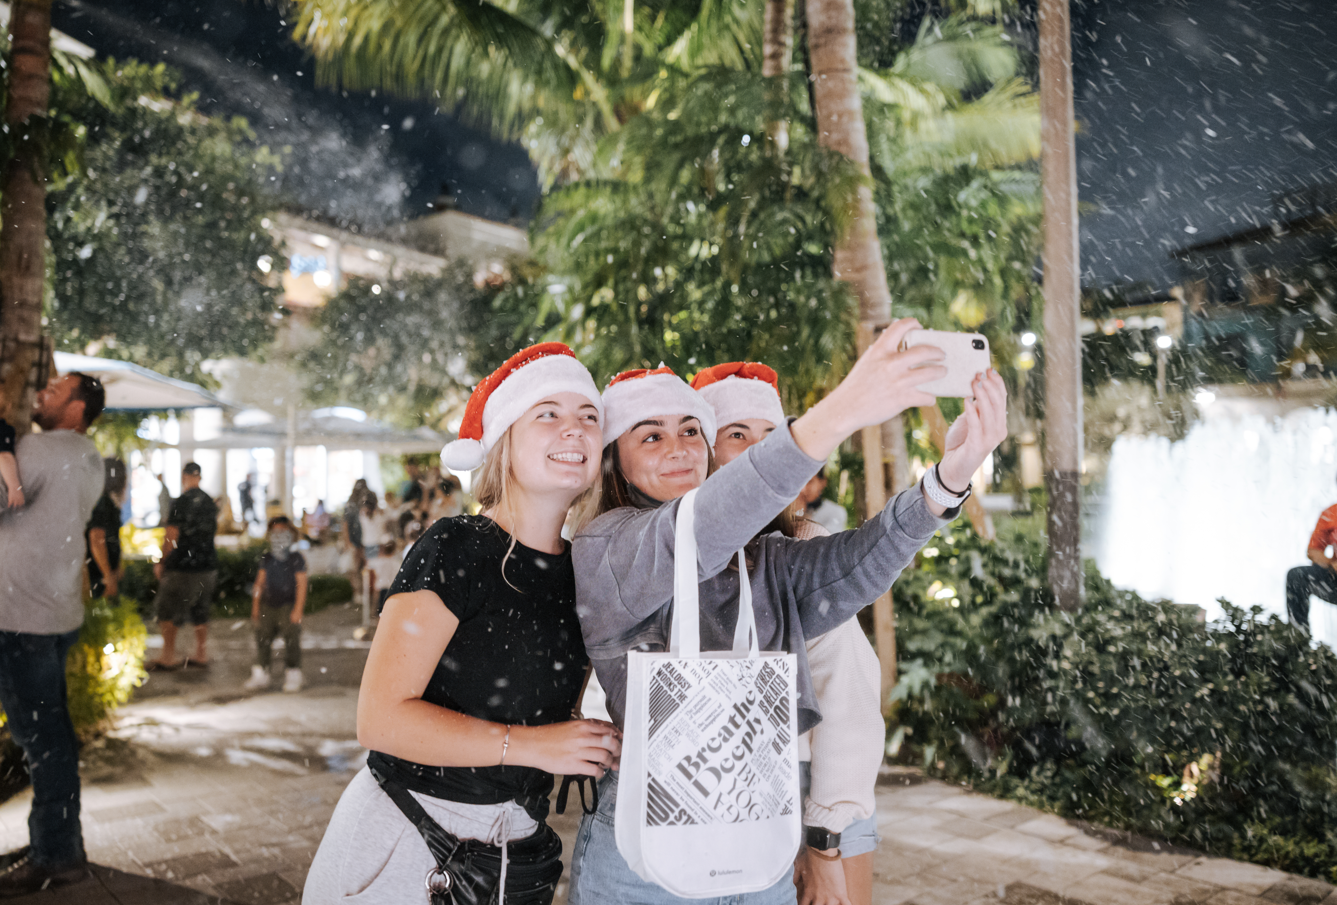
column 708, row 796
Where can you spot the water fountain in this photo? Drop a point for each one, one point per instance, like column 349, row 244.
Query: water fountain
column 1223, row 513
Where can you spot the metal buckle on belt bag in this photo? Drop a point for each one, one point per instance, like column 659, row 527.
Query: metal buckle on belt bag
column 439, row 883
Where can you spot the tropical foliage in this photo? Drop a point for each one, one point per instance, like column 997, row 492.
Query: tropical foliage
column 156, row 233
column 696, row 241
column 1130, row 713
column 405, row 347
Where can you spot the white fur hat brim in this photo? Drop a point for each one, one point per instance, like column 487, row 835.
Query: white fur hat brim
column 630, row 402
column 525, row 387
column 743, row 399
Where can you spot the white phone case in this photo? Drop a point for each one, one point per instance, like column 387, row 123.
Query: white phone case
column 966, row 354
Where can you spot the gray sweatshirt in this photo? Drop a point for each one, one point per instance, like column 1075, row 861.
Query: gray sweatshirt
column 800, row 589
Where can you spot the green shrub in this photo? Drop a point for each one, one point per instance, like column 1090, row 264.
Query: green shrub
column 107, row 662
column 321, row 591
column 1129, row 712
column 236, row 574
column 105, row 665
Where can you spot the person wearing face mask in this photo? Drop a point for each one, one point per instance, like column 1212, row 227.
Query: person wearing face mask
column 276, row 607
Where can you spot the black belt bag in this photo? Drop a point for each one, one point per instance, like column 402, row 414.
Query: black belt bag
column 468, row 871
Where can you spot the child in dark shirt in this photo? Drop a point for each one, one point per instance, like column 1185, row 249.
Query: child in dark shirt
column 9, row 465
column 276, row 606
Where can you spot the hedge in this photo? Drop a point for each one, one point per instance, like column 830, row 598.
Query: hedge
column 1129, row 713
column 236, row 574
column 105, row 665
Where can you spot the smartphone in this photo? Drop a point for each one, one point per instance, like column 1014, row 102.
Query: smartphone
column 966, row 354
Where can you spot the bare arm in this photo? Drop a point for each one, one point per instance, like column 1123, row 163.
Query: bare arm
column 97, row 545
column 414, row 631
column 257, row 594
column 9, row 471
column 878, row 387
column 171, row 534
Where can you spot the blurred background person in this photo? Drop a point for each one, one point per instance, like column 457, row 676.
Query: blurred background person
column 103, row 535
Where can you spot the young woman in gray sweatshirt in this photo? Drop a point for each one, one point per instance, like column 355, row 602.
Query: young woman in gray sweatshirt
column 657, row 447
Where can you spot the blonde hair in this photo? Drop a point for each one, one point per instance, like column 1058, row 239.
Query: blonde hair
column 494, row 489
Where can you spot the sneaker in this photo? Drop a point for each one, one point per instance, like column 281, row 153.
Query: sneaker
column 292, row 680
column 27, row 878
column 259, row 679
column 16, row 858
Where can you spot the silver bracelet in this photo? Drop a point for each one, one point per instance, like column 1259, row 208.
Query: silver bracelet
column 940, row 494
column 505, row 744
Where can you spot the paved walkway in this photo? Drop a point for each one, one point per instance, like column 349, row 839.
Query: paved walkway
column 225, row 796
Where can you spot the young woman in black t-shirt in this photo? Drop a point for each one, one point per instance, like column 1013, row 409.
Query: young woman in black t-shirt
column 468, row 693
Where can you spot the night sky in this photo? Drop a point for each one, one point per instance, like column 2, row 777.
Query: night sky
column 1194, row 114
column 370, row 160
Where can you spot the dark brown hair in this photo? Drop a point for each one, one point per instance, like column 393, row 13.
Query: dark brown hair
column 615, row 490
column 91, row 394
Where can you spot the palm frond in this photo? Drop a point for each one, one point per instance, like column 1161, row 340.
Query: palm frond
column 958, row 53
column 999, row 129
column 493, row 63
column 724, row 33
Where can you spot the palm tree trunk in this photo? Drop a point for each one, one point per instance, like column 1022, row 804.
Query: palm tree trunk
column 23, row 198
column 1062, row 285
column 858, row 254
column 776, row 48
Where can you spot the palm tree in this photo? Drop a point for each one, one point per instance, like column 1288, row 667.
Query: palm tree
column 23, row 203
column 39, row 147
column 557, row 76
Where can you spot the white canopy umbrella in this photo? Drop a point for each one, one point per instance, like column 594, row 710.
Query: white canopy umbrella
column 132, row 388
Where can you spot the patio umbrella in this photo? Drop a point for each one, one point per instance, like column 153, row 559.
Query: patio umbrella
column 132, row 388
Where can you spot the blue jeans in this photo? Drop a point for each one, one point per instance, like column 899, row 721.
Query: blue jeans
column 32, row 694
column 1303, row 581
column 599, row 873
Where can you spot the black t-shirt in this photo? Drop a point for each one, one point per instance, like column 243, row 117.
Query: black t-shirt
column 195, row 516
column 107, row 516
column 281, row 578
column 8, row 437
column 517, row 657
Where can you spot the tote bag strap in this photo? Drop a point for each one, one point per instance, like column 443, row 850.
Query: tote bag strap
column 685, row 633
column 745, row 633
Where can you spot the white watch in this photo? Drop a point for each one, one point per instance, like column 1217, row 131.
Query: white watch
column 940, row 494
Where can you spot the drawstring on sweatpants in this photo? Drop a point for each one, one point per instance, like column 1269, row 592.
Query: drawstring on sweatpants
column 505, row 838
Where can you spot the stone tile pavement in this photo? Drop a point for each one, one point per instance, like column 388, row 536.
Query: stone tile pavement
column 225, row 796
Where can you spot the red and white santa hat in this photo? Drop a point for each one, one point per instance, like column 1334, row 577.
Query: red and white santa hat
column 526, row 379
column 633, row 396
column 741, row 391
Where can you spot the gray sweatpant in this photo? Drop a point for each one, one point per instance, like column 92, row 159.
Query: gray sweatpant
column 372, row 855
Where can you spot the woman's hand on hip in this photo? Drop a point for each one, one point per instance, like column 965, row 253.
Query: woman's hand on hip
column 976, row 433
column 576, row 748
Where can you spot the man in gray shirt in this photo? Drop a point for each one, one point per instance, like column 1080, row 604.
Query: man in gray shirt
column 41, row 610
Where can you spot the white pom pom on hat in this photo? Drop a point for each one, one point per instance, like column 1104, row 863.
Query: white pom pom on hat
column 633, row 396
column 526, row 379
column 741, row 391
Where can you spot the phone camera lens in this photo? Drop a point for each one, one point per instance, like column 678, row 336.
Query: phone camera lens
column 977, row 343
